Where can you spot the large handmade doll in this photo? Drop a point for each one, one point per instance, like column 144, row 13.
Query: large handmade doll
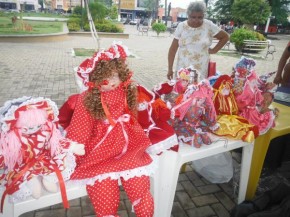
column 33, row 152
column 115, row 144
column 196, row 115
column 153, row 116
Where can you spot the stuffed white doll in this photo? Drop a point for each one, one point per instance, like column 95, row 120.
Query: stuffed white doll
column 33, row 153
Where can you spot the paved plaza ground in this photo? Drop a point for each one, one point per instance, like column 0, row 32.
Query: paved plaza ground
column 44, row 67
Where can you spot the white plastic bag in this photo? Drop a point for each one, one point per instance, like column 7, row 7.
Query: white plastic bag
column 216, row 169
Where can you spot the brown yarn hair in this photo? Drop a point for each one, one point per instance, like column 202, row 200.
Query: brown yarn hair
column 102, row 71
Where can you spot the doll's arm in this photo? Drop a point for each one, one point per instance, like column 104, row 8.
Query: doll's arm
column 67, row 110
column 81, row 125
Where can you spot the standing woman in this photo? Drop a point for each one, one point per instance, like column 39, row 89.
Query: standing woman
column 193, row 39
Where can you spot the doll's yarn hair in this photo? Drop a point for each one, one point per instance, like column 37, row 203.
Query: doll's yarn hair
column 103, row 70
column 11, row 141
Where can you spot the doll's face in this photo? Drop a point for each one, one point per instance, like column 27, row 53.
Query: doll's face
column 111, row 83
column 30, row 130
column 31, row 121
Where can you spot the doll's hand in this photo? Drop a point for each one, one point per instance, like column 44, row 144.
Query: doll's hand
column 77, row 148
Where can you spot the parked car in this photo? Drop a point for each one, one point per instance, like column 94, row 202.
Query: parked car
column 133, row 22
column 12, row 11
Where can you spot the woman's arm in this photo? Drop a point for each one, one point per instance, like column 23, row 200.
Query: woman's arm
column 222, row 38
column 171, row 55
column 281, row 65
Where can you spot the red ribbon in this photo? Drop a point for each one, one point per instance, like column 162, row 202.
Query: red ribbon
column 22, row 172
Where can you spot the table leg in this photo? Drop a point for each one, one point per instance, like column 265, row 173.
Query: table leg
column 260, row 150
column 245, row 171
column 165, row 182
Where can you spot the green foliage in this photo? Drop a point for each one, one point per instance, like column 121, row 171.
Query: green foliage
column 279, row 10
column 150, row 6
column 159, row 27
column 76, row 19
column 239, row 35
column 107, row 26
column 74, row 26
column 113, row 12
column 222, row 9
column 78, row 10
column 87, row 27
column 250, row 12
column 98, row 11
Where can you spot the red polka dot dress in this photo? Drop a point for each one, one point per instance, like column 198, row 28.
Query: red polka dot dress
column 115, row 152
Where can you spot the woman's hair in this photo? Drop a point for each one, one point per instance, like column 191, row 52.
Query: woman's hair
column 103, row 70
column 198, row 6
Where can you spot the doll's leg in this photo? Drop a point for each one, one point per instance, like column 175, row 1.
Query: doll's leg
column 105, row 197
column 138, row 191
column 34, row 184
column 49, row 186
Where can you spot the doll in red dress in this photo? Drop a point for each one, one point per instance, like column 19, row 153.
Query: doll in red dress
column 33, row 152
column 104, row 119
column 153, row 116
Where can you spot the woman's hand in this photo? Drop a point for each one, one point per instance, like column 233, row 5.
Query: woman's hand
column 277, row 79
column 170, row 74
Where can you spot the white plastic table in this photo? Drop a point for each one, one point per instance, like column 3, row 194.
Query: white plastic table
column 170, row 163
column 163, row 182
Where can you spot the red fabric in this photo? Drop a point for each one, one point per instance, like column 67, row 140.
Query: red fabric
column 66, row 111
column 155, row 123
column 211, row 68
column 89, row 131
column 105, row 196
column 165, row 88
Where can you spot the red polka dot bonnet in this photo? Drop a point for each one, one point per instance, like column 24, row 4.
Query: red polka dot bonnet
column 116, row 50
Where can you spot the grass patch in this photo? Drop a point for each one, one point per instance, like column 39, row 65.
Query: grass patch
column 28, row 27
column 238, row 55
column 84, row 52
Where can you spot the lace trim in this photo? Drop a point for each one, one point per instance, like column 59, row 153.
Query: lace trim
column 127, row 174
column 10, row 107
column 24, row 191
column 162, row 145
column 270, row 124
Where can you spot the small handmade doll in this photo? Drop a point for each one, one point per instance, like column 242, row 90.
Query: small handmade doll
column 185, row 76
column 33, row 152
column 224, row 99
column 153, row 116
column 104, row 119
column 196, row 115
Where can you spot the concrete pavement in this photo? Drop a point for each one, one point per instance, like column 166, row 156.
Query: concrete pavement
column 45, row 68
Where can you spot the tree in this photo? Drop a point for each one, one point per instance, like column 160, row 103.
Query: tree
column 279, row 10
column 113, row 12
column 150, row 6
column 222, row 9
column 98, row 10
column 251, row 12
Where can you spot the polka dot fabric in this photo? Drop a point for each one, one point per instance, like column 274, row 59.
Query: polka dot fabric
column 104, row 159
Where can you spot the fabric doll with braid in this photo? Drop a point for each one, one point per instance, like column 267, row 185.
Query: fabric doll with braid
column 196, row 115
column 104, row 119
column 34, row 154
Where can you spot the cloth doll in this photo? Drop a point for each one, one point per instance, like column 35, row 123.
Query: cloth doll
column 196, row 115
column 250, row 99
column 153, row 115
column 171, row 91
column 224, row 99
column 104, row 119
column 33, row 152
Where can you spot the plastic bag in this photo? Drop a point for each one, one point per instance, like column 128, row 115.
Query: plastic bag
column 216, row 169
